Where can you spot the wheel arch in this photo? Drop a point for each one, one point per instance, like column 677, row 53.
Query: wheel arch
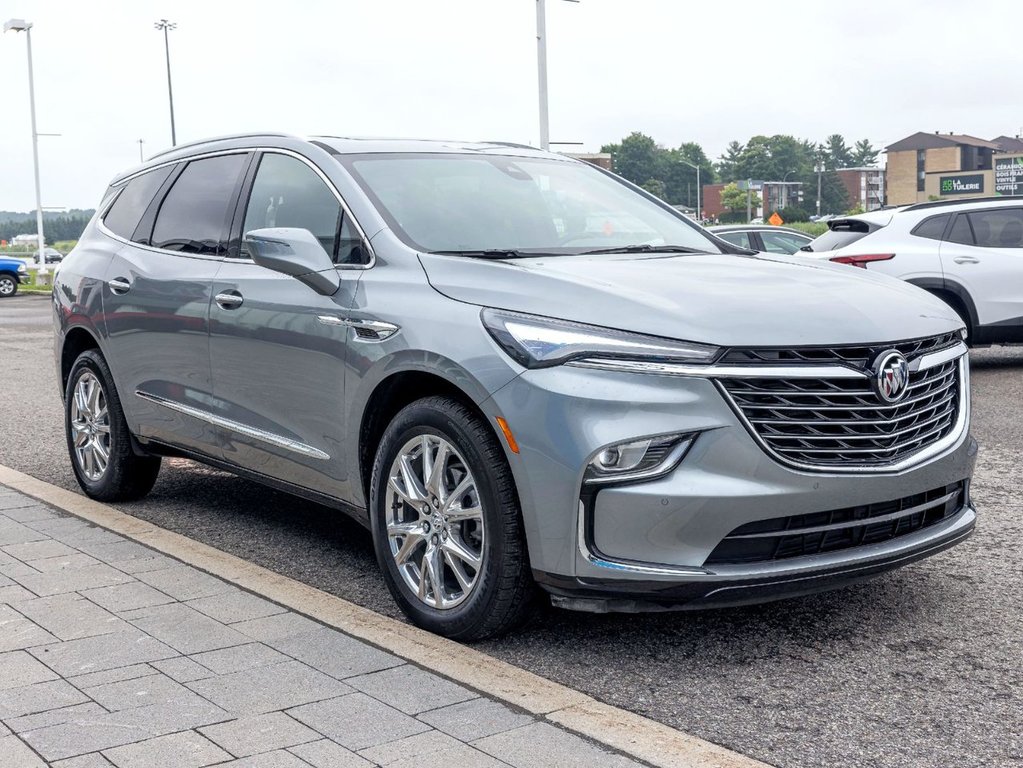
column 394, row 392
column 76, row 340
column 952, row 293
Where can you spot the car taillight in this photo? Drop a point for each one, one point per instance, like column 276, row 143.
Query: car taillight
column 862, row 260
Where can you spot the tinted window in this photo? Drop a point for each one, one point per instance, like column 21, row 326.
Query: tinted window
column 839, row 237
column 288, row 193
column 193, row 215
column 932, row 228
column 740, row 239
column 961, row 232
column 999, row 228
column 782, row 242
column 124, row 214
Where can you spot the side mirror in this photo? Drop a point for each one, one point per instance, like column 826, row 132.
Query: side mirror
column 294, row 252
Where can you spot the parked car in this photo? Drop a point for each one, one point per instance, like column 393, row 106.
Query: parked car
column 758, row 237
column 439, row 340
column 969, row 253
column 13, row 273
column 53, row 256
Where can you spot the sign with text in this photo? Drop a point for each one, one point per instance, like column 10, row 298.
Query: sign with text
column 1009, row 175
column 972, row 184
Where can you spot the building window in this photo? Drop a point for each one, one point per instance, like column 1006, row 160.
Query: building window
column 921, row 174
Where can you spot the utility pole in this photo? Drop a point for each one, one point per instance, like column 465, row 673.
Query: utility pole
column 166, row 26
column 820, row 171
column 749, row 200
column 141, row 160
column 20, row 25
column 699, row 210
column 541, row 70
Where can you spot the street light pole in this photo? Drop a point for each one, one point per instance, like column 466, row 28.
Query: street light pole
column 20, row 25
column 166, row 26
column 141, row 160
column 541, row 70
column 699, row 190
column 820, row 170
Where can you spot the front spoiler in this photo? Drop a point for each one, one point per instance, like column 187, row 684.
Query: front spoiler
column 619, row 596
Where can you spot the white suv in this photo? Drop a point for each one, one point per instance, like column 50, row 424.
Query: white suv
column 969, row 253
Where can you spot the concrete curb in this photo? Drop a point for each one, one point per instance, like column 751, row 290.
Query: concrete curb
column 632, row 734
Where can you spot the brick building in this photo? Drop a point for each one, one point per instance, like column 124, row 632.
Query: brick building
column 864, row 186
column 927, row 165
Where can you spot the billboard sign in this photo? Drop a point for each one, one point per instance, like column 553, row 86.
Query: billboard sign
column 968, row 184
column 1009, row 175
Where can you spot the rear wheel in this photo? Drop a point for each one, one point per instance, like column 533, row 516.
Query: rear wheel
column 8, row 285
column 446, row 522
column 99, row 443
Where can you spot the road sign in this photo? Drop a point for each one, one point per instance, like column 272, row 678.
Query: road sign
column 775, row 220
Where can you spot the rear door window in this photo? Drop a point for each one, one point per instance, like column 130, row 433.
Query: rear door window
column 782, row 242
column 740, row 239
column 124, row 215
column 997, row 228
column 193, row 216
column 961, row 232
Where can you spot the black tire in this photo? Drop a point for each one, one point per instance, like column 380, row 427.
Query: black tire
column 504, row 595
column 8, row 285
column 127, row 476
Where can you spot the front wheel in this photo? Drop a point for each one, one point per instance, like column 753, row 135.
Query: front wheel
column 8, row 285
column 99, row 443
column 446, row 522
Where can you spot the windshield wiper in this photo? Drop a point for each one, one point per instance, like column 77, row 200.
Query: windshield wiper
column 490, row 253
column 644, row 248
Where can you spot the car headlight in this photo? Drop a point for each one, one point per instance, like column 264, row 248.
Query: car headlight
column 643, row 459
column 539, row 342
column 22, row 268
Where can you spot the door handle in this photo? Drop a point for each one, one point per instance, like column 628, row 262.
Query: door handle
column 966, row 260
column 119, row 285
column 229, row 300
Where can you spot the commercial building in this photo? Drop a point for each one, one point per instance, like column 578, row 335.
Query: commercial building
column 932, row 166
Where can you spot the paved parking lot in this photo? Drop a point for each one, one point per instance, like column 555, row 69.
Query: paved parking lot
column 918, row 668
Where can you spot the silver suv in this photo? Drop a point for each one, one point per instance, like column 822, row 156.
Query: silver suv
column 517, row 370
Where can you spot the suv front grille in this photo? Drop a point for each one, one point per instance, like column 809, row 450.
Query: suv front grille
column 831, row 422
column 858, row 357
column 799, row 535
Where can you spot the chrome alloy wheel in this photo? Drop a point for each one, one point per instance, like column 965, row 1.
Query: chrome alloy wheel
column 90, row 426
column 434, row 519
column 7, row 286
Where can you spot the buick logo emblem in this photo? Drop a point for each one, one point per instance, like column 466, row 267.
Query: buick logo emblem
column 891, row 376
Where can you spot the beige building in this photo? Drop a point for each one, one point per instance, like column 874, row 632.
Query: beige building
column 939, row 165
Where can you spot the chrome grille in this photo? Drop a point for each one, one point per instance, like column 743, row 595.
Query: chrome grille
column 858, row 356
column 831, row 422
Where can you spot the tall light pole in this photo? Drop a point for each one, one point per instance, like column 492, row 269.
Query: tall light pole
column 20, row 25
column 141, row 160
column 541, row 70
column 820, row 171
column 699, row 211
column 166, row 26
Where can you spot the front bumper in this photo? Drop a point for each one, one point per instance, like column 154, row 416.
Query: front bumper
column 24, row 278
column 646, row 545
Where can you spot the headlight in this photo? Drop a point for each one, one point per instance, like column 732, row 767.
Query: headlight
column 642, row 459
column 22, row 268
column 537, row 342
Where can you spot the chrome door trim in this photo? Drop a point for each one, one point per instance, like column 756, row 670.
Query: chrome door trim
column 234, row 426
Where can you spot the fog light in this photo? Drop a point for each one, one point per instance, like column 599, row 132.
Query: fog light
column 642, row 459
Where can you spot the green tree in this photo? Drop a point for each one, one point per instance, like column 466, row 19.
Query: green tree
column 864, row 154
column 680, row 177
column 656, row 187
column 734, row 199
column 636, row 158
column 834, row 198
column 837, row 154
column 728, row 163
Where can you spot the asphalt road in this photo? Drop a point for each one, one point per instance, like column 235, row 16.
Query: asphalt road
column 921, row 667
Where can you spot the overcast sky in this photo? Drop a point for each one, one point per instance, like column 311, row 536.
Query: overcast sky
column 680, row 71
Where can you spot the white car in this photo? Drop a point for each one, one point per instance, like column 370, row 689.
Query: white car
column 967, row 252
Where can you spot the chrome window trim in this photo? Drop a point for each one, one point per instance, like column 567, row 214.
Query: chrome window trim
column 234, row 426
column 217, row 153
column 952, row 439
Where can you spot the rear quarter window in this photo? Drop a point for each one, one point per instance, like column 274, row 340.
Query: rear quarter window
column 124, row 215
column 933, row 227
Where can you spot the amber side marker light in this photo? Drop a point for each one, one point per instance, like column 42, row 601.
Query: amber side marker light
column 508, row 434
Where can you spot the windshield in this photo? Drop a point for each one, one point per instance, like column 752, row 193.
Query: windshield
column 525, row 205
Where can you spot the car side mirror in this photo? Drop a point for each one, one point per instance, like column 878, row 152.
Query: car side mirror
column 294, row 252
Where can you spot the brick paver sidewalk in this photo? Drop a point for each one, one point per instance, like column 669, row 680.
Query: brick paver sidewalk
column 113, row 654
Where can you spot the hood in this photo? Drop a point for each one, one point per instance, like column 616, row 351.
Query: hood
column 711, row 298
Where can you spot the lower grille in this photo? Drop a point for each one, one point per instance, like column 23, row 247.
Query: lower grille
column 781, row 538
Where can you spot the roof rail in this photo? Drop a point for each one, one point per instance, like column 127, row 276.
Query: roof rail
column 228, row 137
column 943, row 203
column 511, row 144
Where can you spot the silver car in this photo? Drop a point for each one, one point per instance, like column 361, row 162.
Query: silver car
column 521, row 372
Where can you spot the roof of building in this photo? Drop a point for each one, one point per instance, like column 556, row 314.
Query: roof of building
column 1009, row 143
column 936, row 140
